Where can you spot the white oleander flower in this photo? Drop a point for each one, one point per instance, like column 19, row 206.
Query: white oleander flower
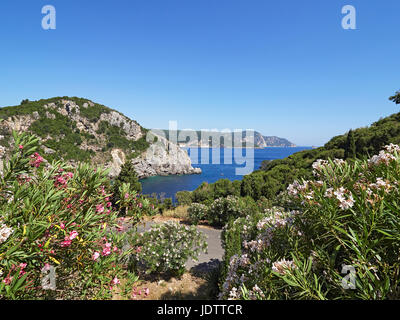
column 5, row 232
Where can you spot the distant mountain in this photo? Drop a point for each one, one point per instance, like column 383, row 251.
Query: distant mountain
column 192, row 138
column 77, row 129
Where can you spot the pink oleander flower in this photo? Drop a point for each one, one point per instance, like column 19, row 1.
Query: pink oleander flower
column 8, row 280
column 140, row 205
column 73, row 234
column 70, row 175
column 146, row 291
column 20, row 147
column 116, row 281
column 126, row 195
column 99, row 208
column 109, row 204
column 66, row 243
column 106, row 252
column 36, row 160
column 95, row 256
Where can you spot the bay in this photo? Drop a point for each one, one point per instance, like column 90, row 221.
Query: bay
column 168, row 186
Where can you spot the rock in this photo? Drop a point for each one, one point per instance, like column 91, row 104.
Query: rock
column 48, row 150
column 36, row 115
column 50, row 115
column 164, row 158
column 132, row 128
column 117, row 162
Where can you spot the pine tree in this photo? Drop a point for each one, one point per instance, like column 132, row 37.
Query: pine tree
column 351, row 149
column 395, row 98
column 127, row 175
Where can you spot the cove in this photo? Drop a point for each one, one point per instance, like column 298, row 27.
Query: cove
column 168, row 186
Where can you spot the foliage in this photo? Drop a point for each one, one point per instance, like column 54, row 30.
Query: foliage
column 346, row 218
column 184, row 197
column 197, row 212
column 395, row 98
column 350, row 148
column 224, row 209
column 127, row 175
column 56, row 216
column 166, row 248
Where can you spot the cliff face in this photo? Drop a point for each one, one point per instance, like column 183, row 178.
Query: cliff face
column 271, row 141
column 76, row 129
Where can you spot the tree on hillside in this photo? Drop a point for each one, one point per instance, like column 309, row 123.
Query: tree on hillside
column 395, row 98
column 350, row 150
column 127, row 175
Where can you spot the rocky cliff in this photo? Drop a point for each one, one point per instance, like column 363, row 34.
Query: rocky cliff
column 76, row 129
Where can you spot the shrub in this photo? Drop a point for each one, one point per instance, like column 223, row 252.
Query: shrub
column 197, row 212
column 184, row 197
column 167, row 247
column 132, row 204
column 224, row 209
column 167, row 204
column 346, row 218
column 56, row 216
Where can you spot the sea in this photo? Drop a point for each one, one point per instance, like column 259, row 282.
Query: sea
column 231, row 165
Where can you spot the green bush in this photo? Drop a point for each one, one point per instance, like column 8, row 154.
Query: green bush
column 184, row 197
column 224, row 209
column 197, row 212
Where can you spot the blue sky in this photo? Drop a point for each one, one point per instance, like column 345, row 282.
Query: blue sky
column 284, row 68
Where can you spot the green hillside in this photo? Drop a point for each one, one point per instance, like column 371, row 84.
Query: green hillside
column 73, row 128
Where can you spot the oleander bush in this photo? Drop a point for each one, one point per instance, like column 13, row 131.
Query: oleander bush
column 222, row 210
column 197, row 212
column 165, row 248
column 56, row 221
column 341, row 240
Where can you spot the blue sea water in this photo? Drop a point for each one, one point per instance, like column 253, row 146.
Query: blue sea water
column 168, row 186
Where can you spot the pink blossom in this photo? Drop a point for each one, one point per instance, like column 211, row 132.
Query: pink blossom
column 95, row 256
column 116, row 281
column 66, row 243
column 100, row 208
column 106, row 252
column 21, row 147
column 36, row 160
column 73, row 235
column 109, row 204
column 7, row 280
column 126, row 195
column 146, row 291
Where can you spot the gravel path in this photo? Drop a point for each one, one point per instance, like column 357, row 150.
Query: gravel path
column 206, row 261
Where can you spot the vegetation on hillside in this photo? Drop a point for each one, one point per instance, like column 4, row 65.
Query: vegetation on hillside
column 60, row 134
